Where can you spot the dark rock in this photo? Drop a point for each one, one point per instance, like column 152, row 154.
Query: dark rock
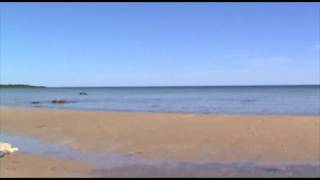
column 2, row 154
column 59, row 101
column 35, row 102
column 83, row 93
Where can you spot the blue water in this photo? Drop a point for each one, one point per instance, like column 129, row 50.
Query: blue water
column 265, row 100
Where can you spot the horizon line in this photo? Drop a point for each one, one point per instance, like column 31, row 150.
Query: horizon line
column 164, row 86
column 159, row 86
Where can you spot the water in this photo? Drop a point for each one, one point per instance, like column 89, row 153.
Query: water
column 122, row 165
column 31, row 145
column 263, row 100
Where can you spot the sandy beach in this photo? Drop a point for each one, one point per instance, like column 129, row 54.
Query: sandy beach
column 157, row 136
column 20, row 166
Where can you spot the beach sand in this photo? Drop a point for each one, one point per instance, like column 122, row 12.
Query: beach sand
column 154, row 136
column 19, row 165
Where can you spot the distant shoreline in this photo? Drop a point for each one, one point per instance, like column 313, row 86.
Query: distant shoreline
column 159, row 86
column 184, row 86
column 19, row 86
column 178, row 86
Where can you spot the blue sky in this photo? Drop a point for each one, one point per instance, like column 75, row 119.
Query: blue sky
column 151, row 44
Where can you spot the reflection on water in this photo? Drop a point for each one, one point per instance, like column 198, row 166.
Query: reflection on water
column 119, row 165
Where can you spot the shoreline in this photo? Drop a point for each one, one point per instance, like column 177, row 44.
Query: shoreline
column 156, row 112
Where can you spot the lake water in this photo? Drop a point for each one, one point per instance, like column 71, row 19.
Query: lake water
column 263, row 100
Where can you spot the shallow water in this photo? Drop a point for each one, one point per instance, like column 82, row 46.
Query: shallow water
column 121, row 165
column 288, row 100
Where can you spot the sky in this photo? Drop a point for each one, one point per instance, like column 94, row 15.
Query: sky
column 159, row 44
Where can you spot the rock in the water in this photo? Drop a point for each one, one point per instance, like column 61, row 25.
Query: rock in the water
column 83, row 93
column 59, row 101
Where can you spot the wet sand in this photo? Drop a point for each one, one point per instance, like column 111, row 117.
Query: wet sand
column 21, row 165
column 183, row 137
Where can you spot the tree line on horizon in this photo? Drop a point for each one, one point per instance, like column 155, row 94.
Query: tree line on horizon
column 20, row 85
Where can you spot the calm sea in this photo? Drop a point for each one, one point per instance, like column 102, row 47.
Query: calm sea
column 267, row 100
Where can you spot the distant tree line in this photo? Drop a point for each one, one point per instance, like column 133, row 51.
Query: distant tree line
column 19, row 86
